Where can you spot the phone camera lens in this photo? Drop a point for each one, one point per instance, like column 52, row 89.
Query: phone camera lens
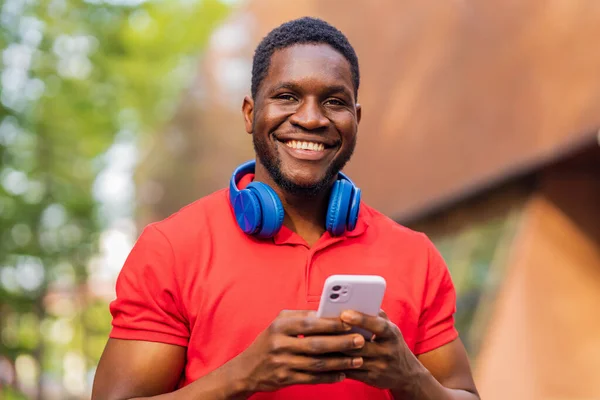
column 334, row 296
column 336, row 288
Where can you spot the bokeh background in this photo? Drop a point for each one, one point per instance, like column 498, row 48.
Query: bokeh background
column 480, row 128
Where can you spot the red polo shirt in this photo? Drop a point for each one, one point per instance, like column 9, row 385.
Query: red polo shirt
column 196, row 280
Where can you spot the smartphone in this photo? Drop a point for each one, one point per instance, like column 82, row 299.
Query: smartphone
column 362, row 293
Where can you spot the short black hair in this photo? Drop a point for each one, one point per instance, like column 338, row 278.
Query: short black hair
column 301, row 31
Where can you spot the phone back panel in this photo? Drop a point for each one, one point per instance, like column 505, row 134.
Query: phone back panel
column 362, row 293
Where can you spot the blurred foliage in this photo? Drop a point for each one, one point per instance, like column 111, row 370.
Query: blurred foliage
column 75, row 75
column 476, row 255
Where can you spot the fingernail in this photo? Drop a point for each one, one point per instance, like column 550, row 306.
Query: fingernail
column 358, row 341
column 346, row 326
column 342, row 377
column 357, row 362
column 347, row 316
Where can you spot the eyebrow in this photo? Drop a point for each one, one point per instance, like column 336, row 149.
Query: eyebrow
column 339, row 89
column 285, row 85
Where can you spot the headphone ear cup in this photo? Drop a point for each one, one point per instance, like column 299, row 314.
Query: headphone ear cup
column 271, row 207
column 337, row 213
column 247, row 211
column 354, row 208
column 332, row 207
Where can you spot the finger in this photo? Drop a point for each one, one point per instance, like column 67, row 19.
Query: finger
column 376, row 324
column 369, row 350
column 315, row 345
column 383, row 315
column 330, row 344
column 308, row 324
column 375, row 365
column 305, row 378
column 321, row 364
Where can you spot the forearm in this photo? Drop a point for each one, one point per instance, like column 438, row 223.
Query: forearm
column 221, row 384
column 426, row 387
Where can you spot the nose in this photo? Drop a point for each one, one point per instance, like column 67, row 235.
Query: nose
column 309, row 116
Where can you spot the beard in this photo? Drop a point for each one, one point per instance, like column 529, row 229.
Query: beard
column 272, row 163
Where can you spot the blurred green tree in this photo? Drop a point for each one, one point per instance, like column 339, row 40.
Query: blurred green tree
column 75, row 74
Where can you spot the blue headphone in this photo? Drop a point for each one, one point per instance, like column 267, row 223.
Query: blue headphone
column 259, row 211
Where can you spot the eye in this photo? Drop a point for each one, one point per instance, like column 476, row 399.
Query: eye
column 286, row 97
column 334, row 102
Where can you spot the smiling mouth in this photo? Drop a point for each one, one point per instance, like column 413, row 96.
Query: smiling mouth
column 304, row 145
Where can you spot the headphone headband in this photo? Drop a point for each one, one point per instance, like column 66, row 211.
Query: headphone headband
column 238, row 174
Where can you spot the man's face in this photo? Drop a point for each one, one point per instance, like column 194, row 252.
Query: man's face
column 305, row 118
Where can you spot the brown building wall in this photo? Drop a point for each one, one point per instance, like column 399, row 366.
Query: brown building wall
column 544, row 341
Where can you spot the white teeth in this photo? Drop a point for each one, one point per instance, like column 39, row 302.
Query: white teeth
column 296, row 144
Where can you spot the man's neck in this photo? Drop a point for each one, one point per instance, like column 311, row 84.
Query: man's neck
column 303, row 215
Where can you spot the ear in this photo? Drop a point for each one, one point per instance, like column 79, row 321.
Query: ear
column 358, row 113
column 248, row 111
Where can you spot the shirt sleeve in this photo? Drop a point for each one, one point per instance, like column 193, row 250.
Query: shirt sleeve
column 436, row 322
column 147, row 306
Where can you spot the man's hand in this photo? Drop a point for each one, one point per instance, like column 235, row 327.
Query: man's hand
column 388, row 362
column 298, row 348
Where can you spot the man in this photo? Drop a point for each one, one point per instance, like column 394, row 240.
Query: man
column 217, row 301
